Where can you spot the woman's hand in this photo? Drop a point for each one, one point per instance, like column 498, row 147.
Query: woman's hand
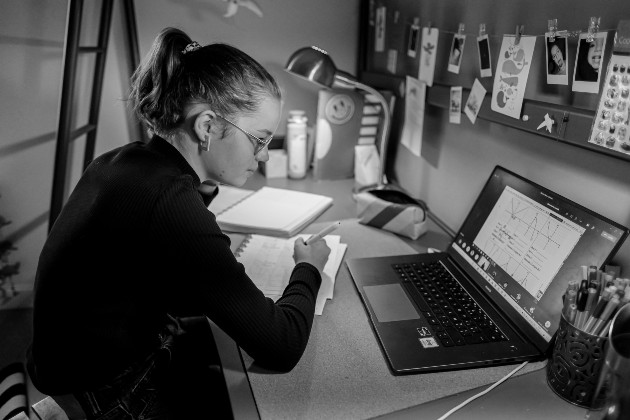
column 315, row 253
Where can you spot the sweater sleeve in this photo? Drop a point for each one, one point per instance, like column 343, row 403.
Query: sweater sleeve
column 211, row 282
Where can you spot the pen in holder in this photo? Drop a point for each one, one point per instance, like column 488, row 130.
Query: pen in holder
column 575, row 364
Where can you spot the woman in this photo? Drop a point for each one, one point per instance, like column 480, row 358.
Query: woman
column 135, row 253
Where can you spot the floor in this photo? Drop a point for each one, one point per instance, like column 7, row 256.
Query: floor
column 15, row 336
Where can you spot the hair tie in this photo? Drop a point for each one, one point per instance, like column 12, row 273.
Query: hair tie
column 193, row 46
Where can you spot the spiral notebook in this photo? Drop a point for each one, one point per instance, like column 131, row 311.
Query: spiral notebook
column 269, row 261
column 267, row 211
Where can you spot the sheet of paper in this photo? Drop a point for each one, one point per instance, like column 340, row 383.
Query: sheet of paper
column 415, row 94
column 269, row 262
column 511, row 77
column 428, row 52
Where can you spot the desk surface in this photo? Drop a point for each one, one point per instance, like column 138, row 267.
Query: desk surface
column 343, row 373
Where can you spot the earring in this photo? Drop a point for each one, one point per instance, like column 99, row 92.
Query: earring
column 205, row 143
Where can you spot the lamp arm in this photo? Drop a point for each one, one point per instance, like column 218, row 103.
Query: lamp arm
column 347, row 81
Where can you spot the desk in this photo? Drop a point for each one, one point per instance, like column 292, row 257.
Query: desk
column 343, row 374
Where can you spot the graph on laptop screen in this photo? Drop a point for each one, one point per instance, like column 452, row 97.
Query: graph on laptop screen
column 527, row 242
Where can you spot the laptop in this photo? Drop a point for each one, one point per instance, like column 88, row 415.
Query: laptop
column 495, row 295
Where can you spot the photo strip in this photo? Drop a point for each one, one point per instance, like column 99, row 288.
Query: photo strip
column 457, row 50
column 590, row 56
column 557, row 59
column 483, row 48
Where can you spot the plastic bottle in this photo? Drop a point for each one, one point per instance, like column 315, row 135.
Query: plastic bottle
column 297, row 144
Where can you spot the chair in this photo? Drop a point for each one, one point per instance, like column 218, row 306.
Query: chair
column 63, row 407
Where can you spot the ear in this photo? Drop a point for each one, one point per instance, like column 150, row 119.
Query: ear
column 203, row 125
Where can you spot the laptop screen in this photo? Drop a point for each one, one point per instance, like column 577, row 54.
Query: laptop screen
column 524, row 243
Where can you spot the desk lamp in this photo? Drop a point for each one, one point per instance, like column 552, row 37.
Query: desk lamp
column 315, row 65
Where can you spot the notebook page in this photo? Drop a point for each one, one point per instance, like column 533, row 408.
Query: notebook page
column 227, row 197
column 269, row 262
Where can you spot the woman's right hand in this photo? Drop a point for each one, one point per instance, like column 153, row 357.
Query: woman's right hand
column 315, row 253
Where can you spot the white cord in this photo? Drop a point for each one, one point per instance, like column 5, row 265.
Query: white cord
column 474, row 397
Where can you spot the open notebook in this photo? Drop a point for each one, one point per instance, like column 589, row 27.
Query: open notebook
column 269, row 261
column 267, row 211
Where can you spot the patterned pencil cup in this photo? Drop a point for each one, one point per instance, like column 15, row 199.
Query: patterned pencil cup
column 575, row 364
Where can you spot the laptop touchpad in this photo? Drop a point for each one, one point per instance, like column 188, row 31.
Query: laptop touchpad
column 390, row 303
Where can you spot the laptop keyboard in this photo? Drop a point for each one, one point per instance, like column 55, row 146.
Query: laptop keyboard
column 454, row 316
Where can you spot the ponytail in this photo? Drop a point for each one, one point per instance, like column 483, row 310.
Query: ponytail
column 174, row 75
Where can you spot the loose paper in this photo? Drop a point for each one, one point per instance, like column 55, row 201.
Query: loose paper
column 415, row 93
column 379, row 29
column 427, row 55
column 511, row 78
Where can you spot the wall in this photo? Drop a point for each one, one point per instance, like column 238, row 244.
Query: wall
column 30, row 75
column 456, row 160
column 32, row 34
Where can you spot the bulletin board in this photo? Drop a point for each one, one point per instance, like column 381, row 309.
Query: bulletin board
column 389, row 30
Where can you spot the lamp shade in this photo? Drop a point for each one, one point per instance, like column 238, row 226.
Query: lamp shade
column 313, row 64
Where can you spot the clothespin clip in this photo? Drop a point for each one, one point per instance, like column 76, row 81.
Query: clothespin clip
column 519, row 32
column 482, row 29
column 460, row 30
column 552, row 24
column 593, row 28
column 429, row 25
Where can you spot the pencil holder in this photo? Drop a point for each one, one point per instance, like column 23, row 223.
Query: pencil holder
column 575, row 364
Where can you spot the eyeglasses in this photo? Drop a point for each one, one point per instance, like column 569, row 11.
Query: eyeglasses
column 259, row 143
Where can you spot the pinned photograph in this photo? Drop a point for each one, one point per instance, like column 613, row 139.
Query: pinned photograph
column 475, row 99
column 455, row 107
column 557, row 59
column 590, row 57
column 428, row 52
column 457, row 50
column 513, row 66
column 414, row 39
column 483, row 48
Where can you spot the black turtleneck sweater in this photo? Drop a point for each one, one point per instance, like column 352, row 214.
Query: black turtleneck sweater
column 134, row 242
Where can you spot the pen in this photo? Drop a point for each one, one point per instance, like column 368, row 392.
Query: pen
column 570, row 297
column 597, row 312
column 590, row 301
column 571, row 314
column 582, row 296
column 323, row 233
column 610, row 307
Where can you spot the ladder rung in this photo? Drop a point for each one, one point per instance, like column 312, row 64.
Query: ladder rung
column 82, row 130
column 91, row 50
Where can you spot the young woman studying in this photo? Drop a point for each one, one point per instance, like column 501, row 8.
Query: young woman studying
column 135, row 251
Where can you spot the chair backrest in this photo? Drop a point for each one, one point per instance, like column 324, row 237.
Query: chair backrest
column 48, row 409
column 20, row 416
column 64, row 407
